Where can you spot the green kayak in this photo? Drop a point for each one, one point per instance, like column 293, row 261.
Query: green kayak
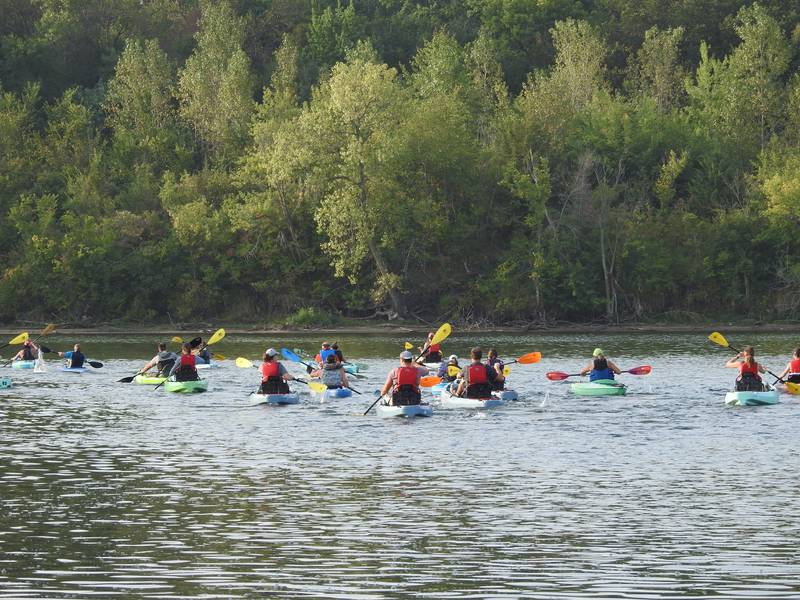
column 186, row 387
column 599, row 387
column 148, row 380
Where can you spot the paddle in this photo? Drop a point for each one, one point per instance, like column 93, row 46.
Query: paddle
column 561, row 376
column 93, row 363
column 19, row 339
column 46, row 331
column 244, row 363
column 441, row 334
column 289, row 355
column 194, row 343
column 378, row 394
column 719, row 339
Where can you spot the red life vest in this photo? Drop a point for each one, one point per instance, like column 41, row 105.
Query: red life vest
column 477, row 374
column 434, row 348
column 406, row 376
column 269, row 370
column 746, row 368
column 187, row 360
column 795, row 365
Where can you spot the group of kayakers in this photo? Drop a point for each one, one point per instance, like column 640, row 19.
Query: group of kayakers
column 750, row 371
column 181, row 367
column 31, row 351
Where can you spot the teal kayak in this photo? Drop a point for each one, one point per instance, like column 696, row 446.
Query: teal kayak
column 752, row 398
column 599, row 387
column 186, row 387
column 23, row 364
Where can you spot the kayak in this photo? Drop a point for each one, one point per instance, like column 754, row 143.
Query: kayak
column 450, row 401
column 599, row 387
column 350, row 369
column 506, row 395
column 788, row 377
column 203, row 365
column 432, row 366
column 186, row 387
column 337, row 393
column 74, row 369
column 411, row 410
column 752, row 398
column 148, row 380
column 5, row 382
column 23, row 364
column 439, row 387
column 256, row 398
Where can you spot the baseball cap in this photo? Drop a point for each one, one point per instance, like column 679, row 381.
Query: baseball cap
column 406, row 355
column 452, row 357
column 598, row 352
column 270, row 352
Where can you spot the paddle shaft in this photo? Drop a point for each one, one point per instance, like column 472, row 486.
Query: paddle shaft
column 372, row 405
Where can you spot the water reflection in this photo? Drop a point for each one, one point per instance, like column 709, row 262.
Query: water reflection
column 116, row 490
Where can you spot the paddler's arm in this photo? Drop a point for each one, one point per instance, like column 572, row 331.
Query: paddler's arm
column 613, row 367
column 387, row 385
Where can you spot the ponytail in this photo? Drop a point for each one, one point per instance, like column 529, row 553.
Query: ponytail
column 749, row 356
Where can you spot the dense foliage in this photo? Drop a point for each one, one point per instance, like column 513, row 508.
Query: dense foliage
column 479, row 160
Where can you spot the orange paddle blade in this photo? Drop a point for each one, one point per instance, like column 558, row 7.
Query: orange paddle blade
column 430, row 381
column 643, row 370
column 557, row 375
column 531, row 357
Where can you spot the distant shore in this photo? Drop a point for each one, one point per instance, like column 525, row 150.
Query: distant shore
column 390, row 328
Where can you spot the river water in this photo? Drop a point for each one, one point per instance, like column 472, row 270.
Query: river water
column 117, row 490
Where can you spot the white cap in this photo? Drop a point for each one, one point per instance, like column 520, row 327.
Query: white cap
column 270, row 352
column 406, row 355
column 452, row 357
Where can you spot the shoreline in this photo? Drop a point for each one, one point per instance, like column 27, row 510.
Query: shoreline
column 389, row 328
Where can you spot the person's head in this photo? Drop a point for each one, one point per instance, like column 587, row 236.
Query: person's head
column 331, row 360
column 269, row 354
column 186, row 348
column 797, row 352
column 453, row 360
column 492, row 353
column 326, row 346
column 749, row 355
column 598, row 353
column 406, row 357
column 476, row 353
column 28, row 343
column 77, row 347
column 162, row 347
column 335, row 346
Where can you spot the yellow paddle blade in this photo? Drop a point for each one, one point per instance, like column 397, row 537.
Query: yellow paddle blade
column 177, row 339
column 243, row 363
column 20, row 339
column 218, row 356
column 792, row 388
column 441, row 334
column 718, row 338
column 317, row 387
column 49, row 329
column 408, row 345
column 453, row 371
column 218, row 335
column 506, row 371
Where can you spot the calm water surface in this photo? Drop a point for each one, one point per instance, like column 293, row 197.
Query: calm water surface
column 116, row 490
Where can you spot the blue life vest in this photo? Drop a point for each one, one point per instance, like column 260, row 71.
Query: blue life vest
column 606, row 373
column 324, row 354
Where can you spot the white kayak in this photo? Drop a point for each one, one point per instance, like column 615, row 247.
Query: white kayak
column 256, row 398
column 432, row 366
column 202, row 365
column 506, row 395
column 450, row 401
column 752, row 398
column 411, row 410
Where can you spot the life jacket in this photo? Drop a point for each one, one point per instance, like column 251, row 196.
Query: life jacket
column 27, row 353
column 166, row 360
column 600, row 370
column 479, row 386
column 405, row 390
column 324, row 354
column 434, row 353
column 444, row 372
column 749, row 380
column 186, row 370
column 795, row 365
column 435, row 348
column 746, row 369
column 77, row 359
column 331, row 376
column 271, row 380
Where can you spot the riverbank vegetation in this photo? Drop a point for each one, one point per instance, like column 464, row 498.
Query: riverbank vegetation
column 480, row 161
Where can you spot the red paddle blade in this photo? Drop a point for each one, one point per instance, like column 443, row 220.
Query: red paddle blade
column 530, row 358
column 557, row 376
column 643, row 370
column 430, row 381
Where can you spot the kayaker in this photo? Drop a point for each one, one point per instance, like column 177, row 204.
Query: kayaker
column 403, row 381
column 273, row 375
column 202, row 353
column 164, row 360
column 600, row 367
column 792, row 371
column 339, row 355
column 431, row 353
column 74, row 357
column 184, row 369
column 30, row 351
column 444, row 369
column 749, row 379
column 495, row 363
column 332, row 373
column 325, row 351
column 477, row 377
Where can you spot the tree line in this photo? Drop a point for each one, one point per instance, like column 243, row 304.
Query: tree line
column 484, row 161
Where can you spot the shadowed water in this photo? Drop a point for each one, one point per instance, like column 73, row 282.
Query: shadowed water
column 112, row 489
